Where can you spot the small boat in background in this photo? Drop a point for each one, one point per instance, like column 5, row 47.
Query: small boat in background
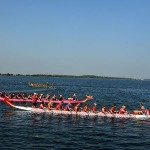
column 39, row 85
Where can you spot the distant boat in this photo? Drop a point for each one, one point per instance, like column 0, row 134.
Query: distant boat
column 38, row 85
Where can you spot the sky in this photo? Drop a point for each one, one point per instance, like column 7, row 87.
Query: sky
column 75, row 37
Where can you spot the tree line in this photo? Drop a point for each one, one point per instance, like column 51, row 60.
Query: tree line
column 64, row 76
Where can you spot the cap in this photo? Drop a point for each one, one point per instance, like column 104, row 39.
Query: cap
column 95, row 104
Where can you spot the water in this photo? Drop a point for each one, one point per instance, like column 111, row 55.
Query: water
column 25, row 130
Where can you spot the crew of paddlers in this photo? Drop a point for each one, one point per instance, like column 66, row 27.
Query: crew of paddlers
column 69, row 107
column 39, row 96
column 86, row 108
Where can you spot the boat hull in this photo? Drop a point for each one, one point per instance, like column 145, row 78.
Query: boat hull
column 81, row 113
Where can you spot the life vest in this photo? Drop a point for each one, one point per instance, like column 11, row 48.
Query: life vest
column 66, row 109
column 58, row 107
column 112, row 109
column 94, row 109
column 41, row 106
column 121, row 111
column 85, row 108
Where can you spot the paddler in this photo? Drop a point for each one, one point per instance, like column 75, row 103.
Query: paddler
column 59, row 106
column 68, row 107
column 24, row 96
column 123, row 110
column 54, row 97
column 61, row 98
column 76, row 108
column 86, row 108
column 113, row 109
column 34, row 100
column 104, row 109
column 50, row 106
column 29, row 96
column 42, row 105
column 94, row 109
column 48, row 97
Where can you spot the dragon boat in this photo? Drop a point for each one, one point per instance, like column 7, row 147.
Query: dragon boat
column 80, row 113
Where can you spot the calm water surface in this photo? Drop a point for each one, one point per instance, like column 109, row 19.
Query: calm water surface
column 25, row 130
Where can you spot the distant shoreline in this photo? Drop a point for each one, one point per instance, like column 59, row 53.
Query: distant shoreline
column 68, row 76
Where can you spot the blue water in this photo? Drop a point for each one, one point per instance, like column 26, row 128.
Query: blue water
column 25, row 130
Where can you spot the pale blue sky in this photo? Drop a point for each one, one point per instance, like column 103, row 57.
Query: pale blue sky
column 75, row 37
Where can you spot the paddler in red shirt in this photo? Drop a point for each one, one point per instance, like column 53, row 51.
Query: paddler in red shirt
column 122, row 110
column 34, row 99
column 86, row 108
column 76, row 108
column 113, row 109
column 42, row 105
column 94, row 109
column 59, row 106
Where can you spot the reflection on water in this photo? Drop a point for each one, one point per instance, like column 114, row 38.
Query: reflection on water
column 77, row 120
column 7, row 115
column 43, row 125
